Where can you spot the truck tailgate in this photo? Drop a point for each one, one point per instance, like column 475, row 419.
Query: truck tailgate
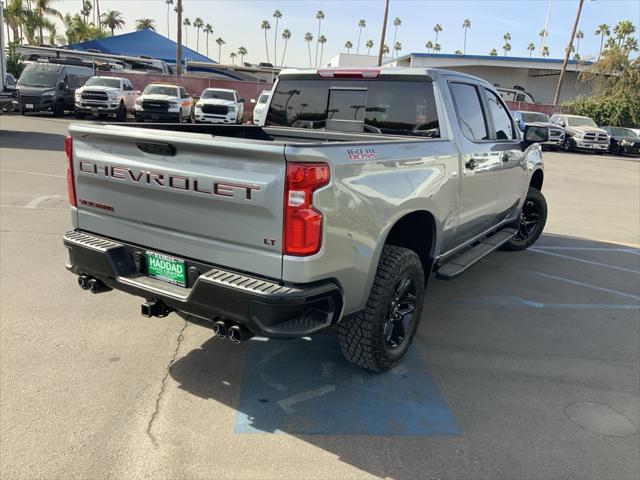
column 216, row 200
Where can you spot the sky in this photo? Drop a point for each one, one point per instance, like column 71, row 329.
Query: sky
column 238, row 23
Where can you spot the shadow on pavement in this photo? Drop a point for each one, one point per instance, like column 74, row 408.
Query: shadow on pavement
column 31, row 140
column 509, row 345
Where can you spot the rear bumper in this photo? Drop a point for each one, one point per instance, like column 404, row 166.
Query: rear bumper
column 265, row 307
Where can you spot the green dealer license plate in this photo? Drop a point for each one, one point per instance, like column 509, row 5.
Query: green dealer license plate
column 166, row 268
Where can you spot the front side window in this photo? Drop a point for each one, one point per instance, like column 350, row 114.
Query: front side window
column 469, row 109
column 390, row 107
column 501, row 119
column 263, row 98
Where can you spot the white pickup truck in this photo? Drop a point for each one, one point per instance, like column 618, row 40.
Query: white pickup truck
column 219, row 105
column 105, row 96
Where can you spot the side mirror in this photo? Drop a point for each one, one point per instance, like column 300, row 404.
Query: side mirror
column 253, row 100
column 536, row 134
column 241, row 100
column 63, row 86
column 138, row 92
column 562, row 124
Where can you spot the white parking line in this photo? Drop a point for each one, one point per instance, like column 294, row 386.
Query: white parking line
column 592, row 249
column 28, row 172
column 582, row 260
column 586, row 285
column 287, row 403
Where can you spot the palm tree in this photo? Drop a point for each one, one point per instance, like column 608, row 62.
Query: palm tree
column 506, row 37
column 242, row 52
column 286, row 35
column 579, row 36
column 361, row 24
column 198, row 24
column 369, row 44
column 458, row 52
column 396, row 48
column 233, row 56
column 220, row 42
column 604, row 31
column 437, row 47
column 13, row 16
column 169, row 3
column 145, row 24
column 208, row 29
column 319, row 17
column 308, row 38
column 531, row 47
column 507, row 48
column 622, row 30
column 543, row 36
column 112, row 19
column 86, row 11
column 348, row 45
column 429, row 45
column 277, row 14
column 186, row 23
column 42, row 8
column 265, row 25
column 466, row 25
column 630, row 45
column 385, row 49
column 396, row 23
column 437, row 28
column 545, row 51
column 493, row 52
column 322, row 40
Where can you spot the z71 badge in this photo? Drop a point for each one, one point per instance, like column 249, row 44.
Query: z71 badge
column 366, row 153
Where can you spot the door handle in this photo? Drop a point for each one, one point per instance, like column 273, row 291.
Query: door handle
column 471, row 164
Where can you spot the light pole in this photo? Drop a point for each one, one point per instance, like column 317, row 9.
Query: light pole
column 567, row 53
column 179, row 38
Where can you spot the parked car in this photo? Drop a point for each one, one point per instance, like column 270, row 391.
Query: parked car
column 623, row 140
column 10, row 81
column 164, row 101
column 219, row 105
column 556, row 133
column 105, row 96
column 50, row 87
column 260, row 108
column 581, row 133
column 284, row 232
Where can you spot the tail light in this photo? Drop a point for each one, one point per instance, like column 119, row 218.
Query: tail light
column 302, row 222
column 71, row 187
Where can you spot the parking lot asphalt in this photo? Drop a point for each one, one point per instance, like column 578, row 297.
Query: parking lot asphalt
column 528, row 366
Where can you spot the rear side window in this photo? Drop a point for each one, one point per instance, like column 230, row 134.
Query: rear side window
column 392, row 107
column 469, row 110
column 501, row 120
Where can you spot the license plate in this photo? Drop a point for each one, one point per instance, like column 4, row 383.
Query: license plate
column 29, row 106
column 94, row 109
column 166, row 268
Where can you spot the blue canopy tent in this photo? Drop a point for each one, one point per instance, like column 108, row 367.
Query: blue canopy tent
column 144, row 42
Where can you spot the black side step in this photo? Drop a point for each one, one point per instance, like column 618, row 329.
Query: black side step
column 459, row 263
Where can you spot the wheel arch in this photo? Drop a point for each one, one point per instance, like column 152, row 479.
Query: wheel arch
column 417, row 231
column 537, row 179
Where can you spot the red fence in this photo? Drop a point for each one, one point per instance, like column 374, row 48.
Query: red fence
column 195, row 85
column 533, row 107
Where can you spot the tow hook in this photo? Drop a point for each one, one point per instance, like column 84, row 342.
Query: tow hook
column 92, row 284
column 239, row 333
column 155, row 308
column 83, row 281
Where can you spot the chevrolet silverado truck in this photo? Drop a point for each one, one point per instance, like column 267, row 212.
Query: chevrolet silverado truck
column 104, row 96
column 400, row 175
column 581, row 133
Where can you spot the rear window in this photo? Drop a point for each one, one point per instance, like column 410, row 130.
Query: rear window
column 392, row 107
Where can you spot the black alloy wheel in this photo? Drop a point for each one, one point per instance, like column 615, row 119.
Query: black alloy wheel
column 399, row 318
column 529, row 220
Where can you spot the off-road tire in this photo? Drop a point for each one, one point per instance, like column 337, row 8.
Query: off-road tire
column 121, row 114
column 535, row 196
column 361, row 336
column 58, row 109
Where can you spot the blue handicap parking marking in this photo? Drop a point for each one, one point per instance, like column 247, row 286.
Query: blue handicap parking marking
column 305, row 386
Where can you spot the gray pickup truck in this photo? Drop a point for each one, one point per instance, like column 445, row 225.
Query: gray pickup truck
column 362, row 185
